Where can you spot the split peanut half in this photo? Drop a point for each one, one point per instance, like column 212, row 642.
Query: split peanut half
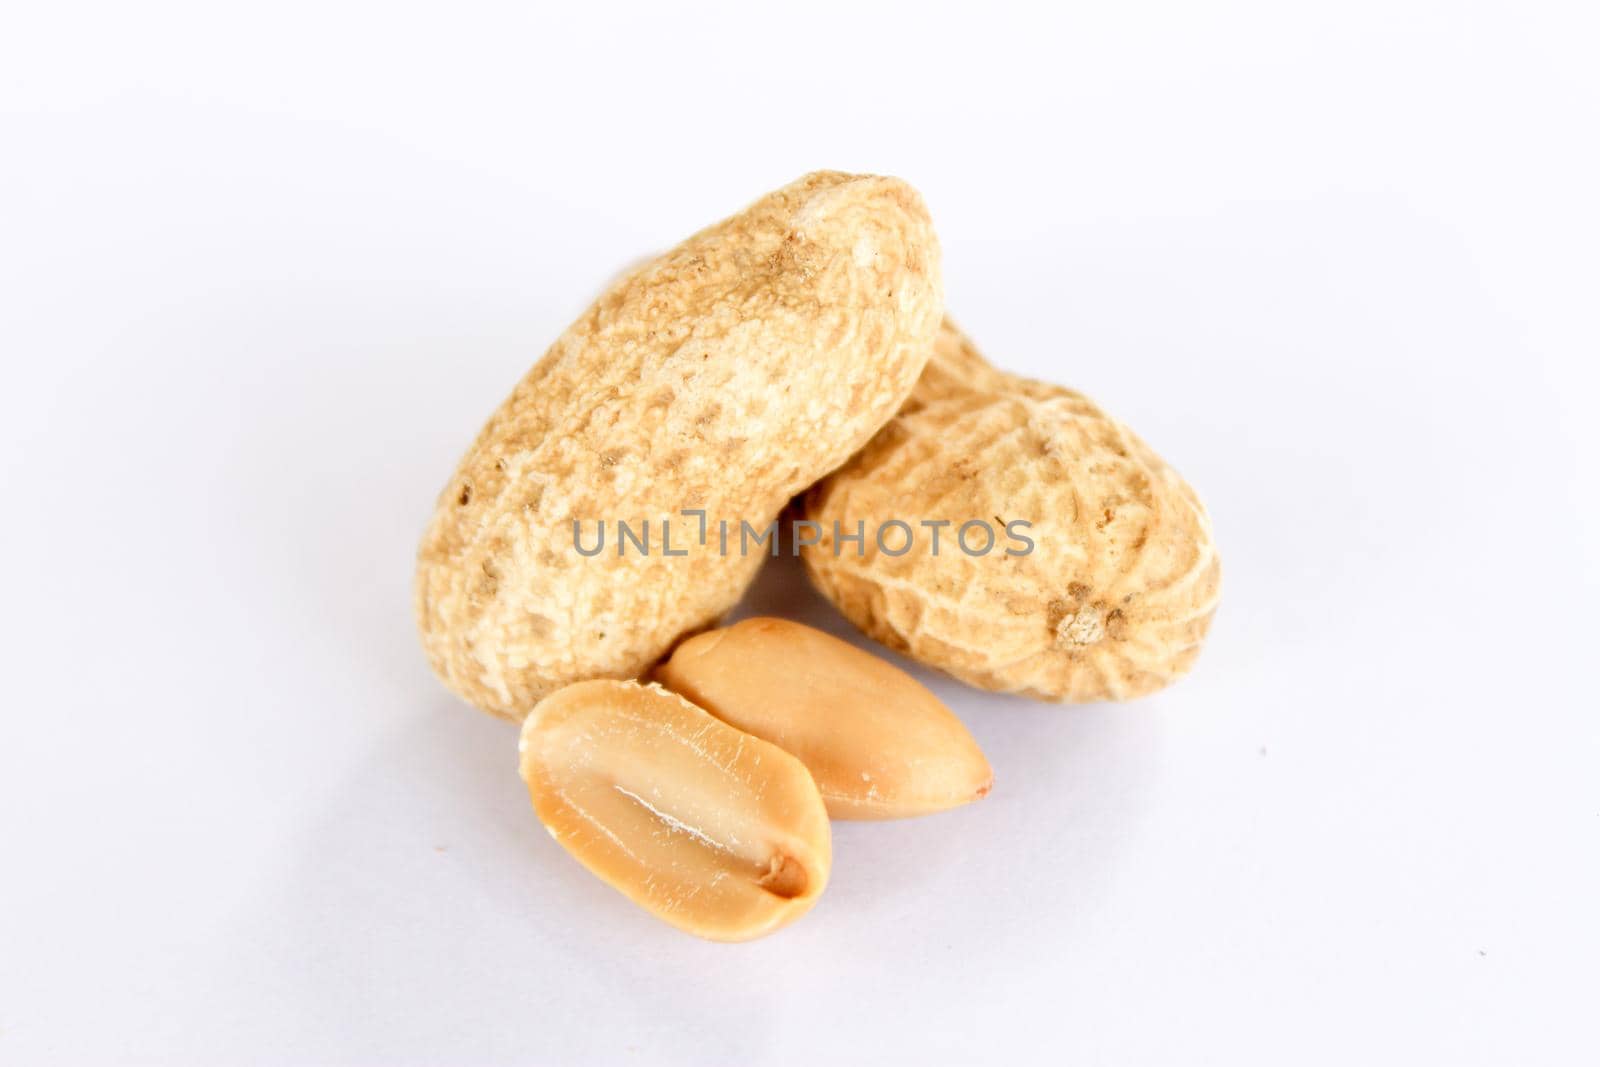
column 715, row 831
column 878, row 743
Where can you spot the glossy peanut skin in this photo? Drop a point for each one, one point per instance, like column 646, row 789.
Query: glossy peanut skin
column 717, row 832
column 878, row 743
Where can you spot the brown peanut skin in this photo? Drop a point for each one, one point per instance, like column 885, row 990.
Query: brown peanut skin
column 878, row 743
column 1119, row 590
column 726, row 375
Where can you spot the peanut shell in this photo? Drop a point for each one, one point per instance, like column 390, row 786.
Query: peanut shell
column 725, row 375
column 1116, row 595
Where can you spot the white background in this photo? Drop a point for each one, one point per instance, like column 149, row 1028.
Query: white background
column 265, row 273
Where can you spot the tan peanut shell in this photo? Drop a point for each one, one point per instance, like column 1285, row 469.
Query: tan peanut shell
column 716, row 832
column 725, row 375
column 879, row 745
column 1119, row 589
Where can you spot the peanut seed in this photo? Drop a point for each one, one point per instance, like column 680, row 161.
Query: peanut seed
column 715, row 831
column 879, row 745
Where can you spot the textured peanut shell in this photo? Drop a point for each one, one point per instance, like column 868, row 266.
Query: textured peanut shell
column 878, row 743
column 1116, row 596
column 708, row 828
column 726, row 375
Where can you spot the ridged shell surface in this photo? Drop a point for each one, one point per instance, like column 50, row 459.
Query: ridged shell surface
column 1114, row 598
column 726, row 375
